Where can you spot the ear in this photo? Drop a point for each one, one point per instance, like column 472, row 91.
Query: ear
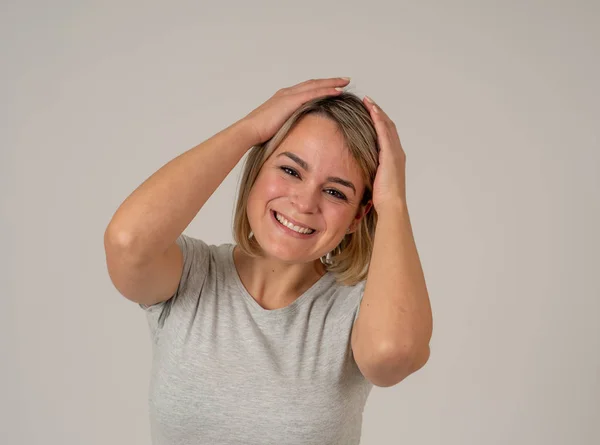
column 362, row 212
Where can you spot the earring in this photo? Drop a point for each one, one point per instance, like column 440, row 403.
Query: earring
column 327, row 259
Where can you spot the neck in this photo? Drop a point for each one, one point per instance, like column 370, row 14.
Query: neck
column 275, row 284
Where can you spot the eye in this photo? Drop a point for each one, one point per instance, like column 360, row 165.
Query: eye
column 335, row 193
column 288, row 170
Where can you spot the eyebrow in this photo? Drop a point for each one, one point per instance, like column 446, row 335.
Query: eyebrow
column 305, row 166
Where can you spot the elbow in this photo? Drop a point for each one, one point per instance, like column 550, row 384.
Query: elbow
column 420, row 358
column 394, row 366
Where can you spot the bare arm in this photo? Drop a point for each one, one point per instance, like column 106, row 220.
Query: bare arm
column 149, row 221
column 144, row 261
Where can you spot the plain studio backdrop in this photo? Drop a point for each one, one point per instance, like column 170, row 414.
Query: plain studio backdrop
column 496, row 104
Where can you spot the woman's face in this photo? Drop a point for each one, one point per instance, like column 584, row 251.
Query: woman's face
column 313, row 182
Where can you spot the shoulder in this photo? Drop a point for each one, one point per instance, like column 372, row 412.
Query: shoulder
column 196, row 250
column 347, row 299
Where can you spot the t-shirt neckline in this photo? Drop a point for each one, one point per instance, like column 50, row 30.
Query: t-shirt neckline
column 293, row 306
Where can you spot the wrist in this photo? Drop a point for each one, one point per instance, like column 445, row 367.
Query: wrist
column 247, row 131
column 393, row 208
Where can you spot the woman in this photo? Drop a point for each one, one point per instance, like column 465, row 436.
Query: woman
column 259, row 342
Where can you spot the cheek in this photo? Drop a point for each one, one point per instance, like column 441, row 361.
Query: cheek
column 338, row 219
column 264, row 191
column 270, row 187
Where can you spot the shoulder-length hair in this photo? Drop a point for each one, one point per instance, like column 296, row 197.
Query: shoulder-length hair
column 349, row 261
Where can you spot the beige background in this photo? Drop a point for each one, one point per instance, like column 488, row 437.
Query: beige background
column 497, row 108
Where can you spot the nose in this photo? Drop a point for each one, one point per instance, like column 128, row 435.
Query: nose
column 306, row 199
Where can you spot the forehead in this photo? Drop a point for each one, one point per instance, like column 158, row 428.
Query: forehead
column 318, row 141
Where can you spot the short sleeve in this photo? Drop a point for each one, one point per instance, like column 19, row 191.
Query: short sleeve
column 360, row 289
column 196, row 256
column 349, row 299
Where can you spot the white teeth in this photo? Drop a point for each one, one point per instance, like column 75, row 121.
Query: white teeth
column 289, row 225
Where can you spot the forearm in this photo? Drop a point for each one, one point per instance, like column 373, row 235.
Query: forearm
column 157, row 212
column 397, row 311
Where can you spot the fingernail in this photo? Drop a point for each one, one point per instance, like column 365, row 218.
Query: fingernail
column 369, row 100
column 339, row 89
column 345, row 78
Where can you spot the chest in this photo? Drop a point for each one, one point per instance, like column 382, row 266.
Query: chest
column 294, row 383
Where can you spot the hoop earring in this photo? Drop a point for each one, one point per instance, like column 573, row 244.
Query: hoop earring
column 327, row 259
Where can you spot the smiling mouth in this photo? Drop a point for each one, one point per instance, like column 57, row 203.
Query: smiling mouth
column 298, row 229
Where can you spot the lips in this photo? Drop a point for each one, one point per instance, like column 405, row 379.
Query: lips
column 294, row 222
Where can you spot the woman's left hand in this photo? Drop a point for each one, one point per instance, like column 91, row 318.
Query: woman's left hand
column 389, row 187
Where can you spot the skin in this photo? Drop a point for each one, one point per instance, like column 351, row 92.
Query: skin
column 290, row 265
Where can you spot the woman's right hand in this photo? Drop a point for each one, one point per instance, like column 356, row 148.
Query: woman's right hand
column 271, row 115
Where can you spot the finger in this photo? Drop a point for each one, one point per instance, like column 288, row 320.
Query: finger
column 386, row 128
column 307, row 95
column 313, row 84
column 374, row 108
column 378, row 113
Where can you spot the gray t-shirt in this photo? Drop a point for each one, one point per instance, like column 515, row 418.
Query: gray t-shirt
column 226, row 371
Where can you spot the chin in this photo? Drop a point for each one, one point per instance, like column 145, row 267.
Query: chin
column 283, row 251
column 286, row 254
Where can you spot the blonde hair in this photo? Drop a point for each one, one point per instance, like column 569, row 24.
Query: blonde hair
column 350, row 259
